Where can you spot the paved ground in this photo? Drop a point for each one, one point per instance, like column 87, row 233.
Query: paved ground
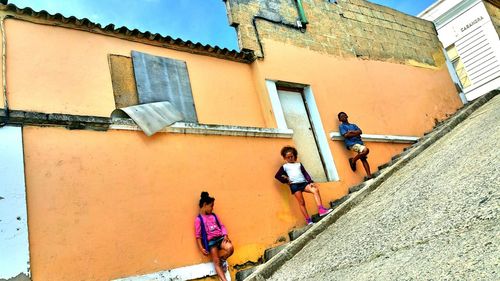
column 438, row 218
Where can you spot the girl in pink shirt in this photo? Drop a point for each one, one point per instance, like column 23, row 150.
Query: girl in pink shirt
column 211, row 235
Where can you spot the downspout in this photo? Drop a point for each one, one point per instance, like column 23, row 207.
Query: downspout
column 302, row 14
column 300, row 25
column 4, row 72
column 289, row 25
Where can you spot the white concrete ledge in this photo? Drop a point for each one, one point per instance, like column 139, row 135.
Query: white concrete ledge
column 181, row 273
column 379, row 138
column 205, row 129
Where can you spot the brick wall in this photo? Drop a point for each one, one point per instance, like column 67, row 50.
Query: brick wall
column 348, row 28
column 494, row 12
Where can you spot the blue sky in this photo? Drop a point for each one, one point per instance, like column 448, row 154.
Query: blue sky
column 203, row 21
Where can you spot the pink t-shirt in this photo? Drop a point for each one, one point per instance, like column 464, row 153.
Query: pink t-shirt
column 211, row 227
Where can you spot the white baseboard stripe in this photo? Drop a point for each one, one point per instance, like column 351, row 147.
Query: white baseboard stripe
column 181, row 273
column 378, row 138
column 204, row 129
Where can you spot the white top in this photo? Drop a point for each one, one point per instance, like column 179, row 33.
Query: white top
column 294, row 173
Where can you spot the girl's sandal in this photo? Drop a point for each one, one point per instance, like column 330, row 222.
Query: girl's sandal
column 223, row 264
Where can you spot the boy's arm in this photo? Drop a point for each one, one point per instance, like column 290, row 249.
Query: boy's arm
column 342, row 130
column 353, row 133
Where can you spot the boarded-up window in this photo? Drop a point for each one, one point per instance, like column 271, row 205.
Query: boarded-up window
column 122, row 77
column 164, row 79
column 145, row 79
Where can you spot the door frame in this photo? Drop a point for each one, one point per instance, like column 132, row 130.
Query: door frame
column 314, row 118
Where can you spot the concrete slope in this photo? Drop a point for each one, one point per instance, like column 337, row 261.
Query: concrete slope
column 437, row 218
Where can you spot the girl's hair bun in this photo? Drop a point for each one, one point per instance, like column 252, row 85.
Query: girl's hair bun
column 205, row 199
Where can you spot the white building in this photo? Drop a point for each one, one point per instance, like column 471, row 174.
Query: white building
column 469, row 30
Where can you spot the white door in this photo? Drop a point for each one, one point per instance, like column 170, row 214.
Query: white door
column 14, row 247
column 297, row 119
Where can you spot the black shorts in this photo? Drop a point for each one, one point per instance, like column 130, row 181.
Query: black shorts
column 294, row 187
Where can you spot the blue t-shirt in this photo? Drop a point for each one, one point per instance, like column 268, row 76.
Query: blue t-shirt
column 343, row 128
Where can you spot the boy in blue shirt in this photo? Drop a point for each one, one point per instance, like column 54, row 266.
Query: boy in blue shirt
column 353, row 142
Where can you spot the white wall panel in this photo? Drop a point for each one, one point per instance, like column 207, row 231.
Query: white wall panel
column 14, row 247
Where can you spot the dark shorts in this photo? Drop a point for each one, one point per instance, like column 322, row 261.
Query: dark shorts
column 294, row 187
column 215, row 242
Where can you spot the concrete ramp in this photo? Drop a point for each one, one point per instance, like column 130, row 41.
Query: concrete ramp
column 434, row 216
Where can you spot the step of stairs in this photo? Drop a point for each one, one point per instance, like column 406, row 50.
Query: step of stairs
column 271, row 252
column 295, row 233
column 242, row 274
column 334, row 204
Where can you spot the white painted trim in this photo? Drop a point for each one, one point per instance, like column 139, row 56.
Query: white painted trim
column 455, row 12
column 205, row 129
column 181, row 273
column 276, row 104
column 483, row 89
column 454, row 76
column 319, row 132
column 379, row 138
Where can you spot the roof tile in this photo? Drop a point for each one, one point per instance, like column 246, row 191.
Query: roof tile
column 245, row 55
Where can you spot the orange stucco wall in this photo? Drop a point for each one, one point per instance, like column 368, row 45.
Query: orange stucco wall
column 104, row 205
column 111, row 204
column 381, row 97
column 68, row 73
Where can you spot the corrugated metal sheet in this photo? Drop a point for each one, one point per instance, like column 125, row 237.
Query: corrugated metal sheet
column 153, row 117
column 163, row 79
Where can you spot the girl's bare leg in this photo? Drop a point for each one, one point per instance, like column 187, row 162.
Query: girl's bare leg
column 214, row 253
column 226, row 250
column 302, row 204
column 315, row 191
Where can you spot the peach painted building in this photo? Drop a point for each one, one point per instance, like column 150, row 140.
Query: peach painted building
column 84, row 196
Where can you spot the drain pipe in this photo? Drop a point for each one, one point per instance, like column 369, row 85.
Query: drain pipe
column 300, row 25
column 302, row 14
column 286, row 24
column 4, row 72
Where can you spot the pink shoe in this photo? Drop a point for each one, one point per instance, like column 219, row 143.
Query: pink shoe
column 323, row 212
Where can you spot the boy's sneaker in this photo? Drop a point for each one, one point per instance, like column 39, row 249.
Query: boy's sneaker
column 309, row 221
column 352, row 164
column 323, row 212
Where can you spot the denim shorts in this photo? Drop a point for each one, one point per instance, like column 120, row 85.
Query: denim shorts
column 215, row 242
column 294, row 187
